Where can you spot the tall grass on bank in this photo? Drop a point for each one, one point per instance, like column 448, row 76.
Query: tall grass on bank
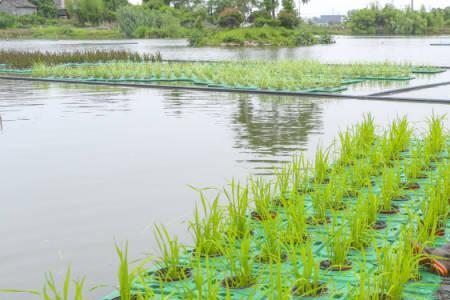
column 21, row 59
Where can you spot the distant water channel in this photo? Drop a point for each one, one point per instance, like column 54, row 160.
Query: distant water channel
column 83, row 166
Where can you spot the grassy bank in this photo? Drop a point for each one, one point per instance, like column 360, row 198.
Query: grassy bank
column 267, row 36
column 60, row 33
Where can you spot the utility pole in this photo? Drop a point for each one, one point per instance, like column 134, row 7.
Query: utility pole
column 412, row 5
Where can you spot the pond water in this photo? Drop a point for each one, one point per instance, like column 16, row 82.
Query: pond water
column 84, row 166
column 416, row 50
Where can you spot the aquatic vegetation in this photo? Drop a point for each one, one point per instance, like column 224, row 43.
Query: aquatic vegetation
column 360, row 230
column 26, row 59
column 238, row 206
column 391, row 189
column 321, row 165
column 284, row 75
column 338, row 246
column 208, row 227
column 171, row 267
column 239, row 263
column 286, row 236
column 277, row 281
column 262, row 199
column 127, row 277
column 435, row 212
column 206, row 287
column 435, row 138
column 319, row 207
column 271, row 242
column 306, row 283
column 51, row 291
column 295, row 232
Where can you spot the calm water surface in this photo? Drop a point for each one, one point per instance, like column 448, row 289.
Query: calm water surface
column 415, row 50
column 84, row 166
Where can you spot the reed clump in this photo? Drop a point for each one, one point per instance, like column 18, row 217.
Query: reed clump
column 22, row 59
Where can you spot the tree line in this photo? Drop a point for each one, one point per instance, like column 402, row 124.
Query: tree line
column 390, row 20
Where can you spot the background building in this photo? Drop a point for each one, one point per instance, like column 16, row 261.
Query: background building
column 17, row 7
column 329, row 19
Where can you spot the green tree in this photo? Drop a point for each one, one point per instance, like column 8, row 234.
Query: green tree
column 86, row 11
column 46, row 8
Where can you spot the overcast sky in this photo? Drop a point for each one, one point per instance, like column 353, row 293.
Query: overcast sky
column 320, row 7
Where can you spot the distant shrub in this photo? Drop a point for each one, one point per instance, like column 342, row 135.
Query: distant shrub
column 230, row 18
column 137, row 22
column 288, row 19
column 326, row 38
column 261, row 22
column 305, row 39
column 7, row 21
column 258, row 14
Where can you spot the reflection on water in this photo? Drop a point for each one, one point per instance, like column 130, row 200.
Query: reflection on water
column 84, row 165
column 275, row 126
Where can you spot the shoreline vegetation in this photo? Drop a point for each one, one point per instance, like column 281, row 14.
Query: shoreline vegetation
column 255, row 24
column 364, row 209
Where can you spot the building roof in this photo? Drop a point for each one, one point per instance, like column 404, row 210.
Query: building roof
column 20, row 3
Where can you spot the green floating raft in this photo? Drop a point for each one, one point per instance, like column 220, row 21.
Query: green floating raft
column 15, row 71
column 339, row 284
column 428, row 70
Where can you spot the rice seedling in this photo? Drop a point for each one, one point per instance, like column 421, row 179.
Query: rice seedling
column 415, row 166
column 239, row 266
column 50, row 290
column 333, row 193
column 277, row 287
column 321, row 166
column 338, row 246
column 359, row 227
column 262, row 199
column 396, row 267
column 282, row 182
column 368, row 287
column 208, row 227
column 206, row 286
column 435, row 139
column 411, row 258
column 171, row 268
column 127, row 277
column 319, row 207
column 295, row 232
column 365, row 133
column 400, row 135
column 435, row 214
column 390, row 190
column 306, row 283
column 238, row 223
column 369, row 204
column 359, row 175
column 270, row 244
column 300, row 175
column 279, row 75
column 347, row 146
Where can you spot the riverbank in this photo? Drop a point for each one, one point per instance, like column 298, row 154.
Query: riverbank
column 60, row 33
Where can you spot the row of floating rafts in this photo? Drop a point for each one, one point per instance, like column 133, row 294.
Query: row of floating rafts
column 275, row 85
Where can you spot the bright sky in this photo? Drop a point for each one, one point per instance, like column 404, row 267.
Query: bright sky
column 323, row 7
